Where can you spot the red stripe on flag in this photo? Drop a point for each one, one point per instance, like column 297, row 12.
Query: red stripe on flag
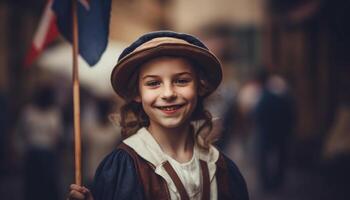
column 31, row 55
column 46, row 33
column 52, row 32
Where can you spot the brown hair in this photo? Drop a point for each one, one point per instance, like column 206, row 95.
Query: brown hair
column 133, row 117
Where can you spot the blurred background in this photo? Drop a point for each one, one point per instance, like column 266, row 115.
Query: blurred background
column 282, row 111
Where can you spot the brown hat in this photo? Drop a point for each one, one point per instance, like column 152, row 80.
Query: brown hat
column 164, row 43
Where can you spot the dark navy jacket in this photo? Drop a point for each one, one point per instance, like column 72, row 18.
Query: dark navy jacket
column 118, row 178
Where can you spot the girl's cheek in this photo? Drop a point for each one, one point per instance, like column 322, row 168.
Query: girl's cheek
column 189, row 92
column 148, row 96
column 145, row 92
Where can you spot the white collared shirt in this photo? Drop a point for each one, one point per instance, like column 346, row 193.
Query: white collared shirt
column 189, row 173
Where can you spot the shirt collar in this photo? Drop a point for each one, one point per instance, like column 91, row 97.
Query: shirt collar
column 147, row 147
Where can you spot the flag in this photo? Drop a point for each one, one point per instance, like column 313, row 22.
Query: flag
column 46, row 33
column 93, row 23
column 93, row 26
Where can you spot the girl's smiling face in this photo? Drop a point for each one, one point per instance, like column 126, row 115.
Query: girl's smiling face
column 168, row 91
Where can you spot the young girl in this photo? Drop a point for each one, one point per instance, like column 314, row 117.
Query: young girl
column 164, row 78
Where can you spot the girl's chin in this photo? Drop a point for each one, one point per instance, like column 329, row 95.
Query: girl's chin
column 171, row 124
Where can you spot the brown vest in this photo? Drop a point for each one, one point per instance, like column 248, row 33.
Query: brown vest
column 155, row 187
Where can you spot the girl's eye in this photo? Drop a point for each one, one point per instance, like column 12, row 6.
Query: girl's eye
column 182, row 81
column 152, row 83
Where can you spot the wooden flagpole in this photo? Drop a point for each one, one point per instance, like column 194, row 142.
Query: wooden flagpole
column 76, row 96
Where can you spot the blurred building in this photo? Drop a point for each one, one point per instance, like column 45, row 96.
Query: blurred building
column 308, row 42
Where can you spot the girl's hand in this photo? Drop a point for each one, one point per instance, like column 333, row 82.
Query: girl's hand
column 79, row 193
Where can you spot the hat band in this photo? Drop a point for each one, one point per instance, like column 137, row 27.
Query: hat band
column 161, row 40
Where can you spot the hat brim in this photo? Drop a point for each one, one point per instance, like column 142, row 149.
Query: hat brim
column 128, row 66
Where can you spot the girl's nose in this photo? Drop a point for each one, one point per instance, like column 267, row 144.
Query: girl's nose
column 168, row 93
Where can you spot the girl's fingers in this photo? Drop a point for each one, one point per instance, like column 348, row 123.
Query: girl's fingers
column 76, row 195
column 81, row 189
column 86, row 191
column 78, row 192
column 75, row 187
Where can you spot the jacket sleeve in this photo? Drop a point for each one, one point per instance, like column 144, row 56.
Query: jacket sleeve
column 116, row 178
column 237, row 182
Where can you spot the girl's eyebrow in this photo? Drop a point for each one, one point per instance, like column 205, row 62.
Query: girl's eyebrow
column 157, row 76
column 149, row 76
column 183, row 73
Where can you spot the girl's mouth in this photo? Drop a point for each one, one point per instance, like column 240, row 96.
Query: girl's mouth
column 169, row 109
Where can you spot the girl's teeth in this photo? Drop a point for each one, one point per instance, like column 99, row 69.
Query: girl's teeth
column 169, row 108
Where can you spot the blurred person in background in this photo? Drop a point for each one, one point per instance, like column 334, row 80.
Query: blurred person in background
column 40, row 134
column 274, row 121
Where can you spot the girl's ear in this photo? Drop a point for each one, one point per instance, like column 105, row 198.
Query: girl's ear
column 137, row 99
column 201, row 88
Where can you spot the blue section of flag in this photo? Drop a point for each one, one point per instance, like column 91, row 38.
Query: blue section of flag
column 93, row 26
